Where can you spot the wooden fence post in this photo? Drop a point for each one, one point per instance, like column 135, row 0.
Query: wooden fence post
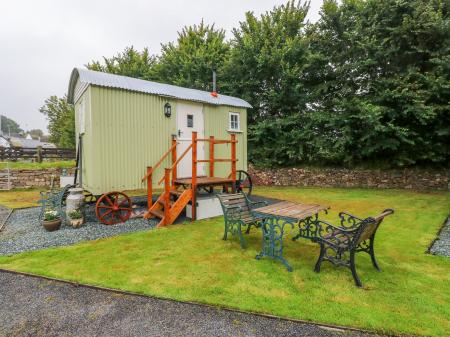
column 39, row 154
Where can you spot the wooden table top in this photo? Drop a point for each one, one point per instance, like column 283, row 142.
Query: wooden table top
column 292, row 210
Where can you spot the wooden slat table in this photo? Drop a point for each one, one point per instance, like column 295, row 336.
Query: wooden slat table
column 277, row 217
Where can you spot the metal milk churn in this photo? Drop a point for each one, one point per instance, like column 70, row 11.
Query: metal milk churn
column 75, row 201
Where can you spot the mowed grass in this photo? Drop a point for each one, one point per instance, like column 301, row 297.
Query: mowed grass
column 25, row 165
column 18, row 198
column 190, row 262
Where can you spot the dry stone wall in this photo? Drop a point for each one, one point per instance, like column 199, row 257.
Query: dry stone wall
column 418, row 179
column 31, row 178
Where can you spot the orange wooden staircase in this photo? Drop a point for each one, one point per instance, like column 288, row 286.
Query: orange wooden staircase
column 178, row 193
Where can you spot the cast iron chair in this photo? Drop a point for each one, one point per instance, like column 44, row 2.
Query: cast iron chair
column 339, row 245
column 54, row 199
column 238, row 214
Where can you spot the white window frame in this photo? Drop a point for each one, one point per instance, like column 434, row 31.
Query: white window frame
column 237, row 122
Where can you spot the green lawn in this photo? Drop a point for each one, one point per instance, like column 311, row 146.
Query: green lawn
column 23, row 165
column 20, row 197
column 191, row 262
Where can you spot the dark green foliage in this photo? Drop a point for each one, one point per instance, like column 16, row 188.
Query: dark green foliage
column 381, row 74
column 268, row 60
column 61, row 121
column 189, row 62
column 368, row 84
column 130, row 63
column 9, row 126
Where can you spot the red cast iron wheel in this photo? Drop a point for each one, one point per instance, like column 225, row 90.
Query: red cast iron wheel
column 113, row 207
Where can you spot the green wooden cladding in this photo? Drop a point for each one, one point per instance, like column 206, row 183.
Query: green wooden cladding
column 127, row 131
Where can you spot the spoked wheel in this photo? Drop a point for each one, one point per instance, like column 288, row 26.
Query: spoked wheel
column 243, row 182
column 113, row 207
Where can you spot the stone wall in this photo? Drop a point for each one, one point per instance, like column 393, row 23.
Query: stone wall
column 419, row 179
column 31, row 178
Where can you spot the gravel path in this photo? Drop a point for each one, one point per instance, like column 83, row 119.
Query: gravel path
column 23, row 232
column 35, row 307
column 442, row 245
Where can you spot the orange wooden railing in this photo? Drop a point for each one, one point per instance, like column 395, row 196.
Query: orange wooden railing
column 170, row 174
column 150, row 170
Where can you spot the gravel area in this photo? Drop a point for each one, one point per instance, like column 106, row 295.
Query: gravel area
column 442, row 245
column 23, row 232
column 4, row 212
column 36, row 307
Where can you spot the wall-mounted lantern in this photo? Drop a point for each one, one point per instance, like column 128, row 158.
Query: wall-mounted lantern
column 167, row 110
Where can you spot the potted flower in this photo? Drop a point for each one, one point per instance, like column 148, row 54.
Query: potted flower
column 76, row 218
column 52, row 220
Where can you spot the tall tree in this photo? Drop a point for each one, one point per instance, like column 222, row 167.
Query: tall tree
column 9, row 126
column 268, row 60
column 61, row 121
column 189, row 61
column 130, row 63
column 382, row 74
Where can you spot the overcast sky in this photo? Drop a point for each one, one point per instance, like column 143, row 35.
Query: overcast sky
column 41, row 41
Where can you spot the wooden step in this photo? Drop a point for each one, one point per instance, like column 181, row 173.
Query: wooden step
column 177, row 208
column 158, row 213
column 176, row 192
column 171, row 202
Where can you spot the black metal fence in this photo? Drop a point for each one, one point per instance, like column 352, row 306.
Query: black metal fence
column 38, row 154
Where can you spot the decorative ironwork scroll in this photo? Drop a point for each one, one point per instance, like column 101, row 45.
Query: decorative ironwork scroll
column 272, row 241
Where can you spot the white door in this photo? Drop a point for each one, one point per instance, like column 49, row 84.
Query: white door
column 189, row 119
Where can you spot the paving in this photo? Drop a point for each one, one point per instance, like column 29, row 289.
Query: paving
column 36, row 307
column 442, row 244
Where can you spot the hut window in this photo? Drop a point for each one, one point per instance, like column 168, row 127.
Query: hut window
column 190, row 121
column 234, row 121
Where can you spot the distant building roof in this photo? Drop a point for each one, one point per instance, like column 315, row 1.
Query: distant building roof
column 30, row 143
column 133, row 84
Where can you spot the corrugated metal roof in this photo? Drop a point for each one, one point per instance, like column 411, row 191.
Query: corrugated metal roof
column 155, row 88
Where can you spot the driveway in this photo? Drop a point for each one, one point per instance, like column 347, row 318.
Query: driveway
column 31, row 306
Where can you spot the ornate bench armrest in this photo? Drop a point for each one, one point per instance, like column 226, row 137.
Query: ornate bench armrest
column 326, row 230
column 349, row 221
column 232, row 212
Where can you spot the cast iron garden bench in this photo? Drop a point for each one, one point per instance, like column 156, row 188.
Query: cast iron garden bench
column 339, row 245
column 238, row 214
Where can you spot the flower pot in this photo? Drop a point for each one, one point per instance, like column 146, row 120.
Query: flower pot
column 76, row 223
column 51, row 225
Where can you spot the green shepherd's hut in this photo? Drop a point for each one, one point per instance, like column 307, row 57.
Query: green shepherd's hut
column 125, row 126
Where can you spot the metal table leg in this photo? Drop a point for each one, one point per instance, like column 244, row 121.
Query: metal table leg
column 272, row 241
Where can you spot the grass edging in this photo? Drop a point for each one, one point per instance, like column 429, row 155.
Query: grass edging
column 438, row 234
column 225, row 308
column 3, row 224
